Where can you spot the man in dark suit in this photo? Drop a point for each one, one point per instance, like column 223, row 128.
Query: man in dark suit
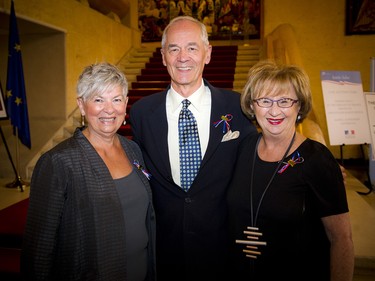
column 191, row 224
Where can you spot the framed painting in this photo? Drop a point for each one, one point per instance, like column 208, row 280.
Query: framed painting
column 224, row 19
column 360, row 17
column 3, row 112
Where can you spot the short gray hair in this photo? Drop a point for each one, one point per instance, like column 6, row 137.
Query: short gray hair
column 98, row 78
column 204, row 34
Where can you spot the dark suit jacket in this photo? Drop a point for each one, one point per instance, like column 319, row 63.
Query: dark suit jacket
column 191, row 226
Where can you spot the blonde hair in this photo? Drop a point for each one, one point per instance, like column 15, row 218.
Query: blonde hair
column 268, row 77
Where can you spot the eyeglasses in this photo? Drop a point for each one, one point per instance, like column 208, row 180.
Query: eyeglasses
column 283, row 103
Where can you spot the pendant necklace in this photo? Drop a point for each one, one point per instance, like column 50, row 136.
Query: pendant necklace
column 252, row 232
column 254, row 218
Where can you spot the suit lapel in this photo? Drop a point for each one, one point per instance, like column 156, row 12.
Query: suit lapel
column 158, row 129
column 218, row 108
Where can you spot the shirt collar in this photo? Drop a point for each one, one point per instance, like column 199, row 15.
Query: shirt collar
column 195, row 98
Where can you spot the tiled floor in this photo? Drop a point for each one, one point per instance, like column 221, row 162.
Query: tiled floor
column 9, row 196
column 362, row 212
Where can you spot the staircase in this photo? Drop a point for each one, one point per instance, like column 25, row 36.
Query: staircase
column 64, row 132
column 247, row 56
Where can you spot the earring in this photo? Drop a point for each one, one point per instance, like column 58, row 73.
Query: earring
column 124, row 122
column 83, row 120
column 299, row 117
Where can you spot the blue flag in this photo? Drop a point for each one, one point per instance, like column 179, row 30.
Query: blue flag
column 16, row 94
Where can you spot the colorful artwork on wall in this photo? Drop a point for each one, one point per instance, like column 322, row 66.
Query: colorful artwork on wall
column 224, row 19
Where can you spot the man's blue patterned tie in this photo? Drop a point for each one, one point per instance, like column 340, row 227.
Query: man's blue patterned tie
column 190, row 150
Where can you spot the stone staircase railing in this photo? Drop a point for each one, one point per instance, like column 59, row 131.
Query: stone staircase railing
column 64, row 132
column 281, row 46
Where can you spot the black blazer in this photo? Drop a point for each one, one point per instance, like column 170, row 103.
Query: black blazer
column 191, row 226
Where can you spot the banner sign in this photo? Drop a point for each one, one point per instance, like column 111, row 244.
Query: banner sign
column 370, row 102
column 345, row 107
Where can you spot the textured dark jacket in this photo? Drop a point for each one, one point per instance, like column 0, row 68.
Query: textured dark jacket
column 191, row 226
column 75, row 226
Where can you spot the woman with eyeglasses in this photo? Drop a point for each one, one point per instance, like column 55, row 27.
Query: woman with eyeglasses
column 287, row 203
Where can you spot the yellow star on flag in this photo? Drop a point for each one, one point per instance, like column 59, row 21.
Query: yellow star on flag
column 17, row 47
column 9, row 94
column 18, row 100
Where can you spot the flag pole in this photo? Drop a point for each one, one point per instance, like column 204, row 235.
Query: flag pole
column 18, row 182
column 16, row 94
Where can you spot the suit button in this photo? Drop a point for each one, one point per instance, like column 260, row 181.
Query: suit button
column 188, row 200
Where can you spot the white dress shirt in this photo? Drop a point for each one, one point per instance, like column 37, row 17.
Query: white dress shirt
column 201, row 108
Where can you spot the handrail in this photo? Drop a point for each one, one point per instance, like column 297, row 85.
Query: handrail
column 281, row 46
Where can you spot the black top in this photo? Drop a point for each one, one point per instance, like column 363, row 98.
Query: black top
column 289, row 214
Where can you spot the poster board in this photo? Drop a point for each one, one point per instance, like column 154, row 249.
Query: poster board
column 345, row 107
column 370, row 103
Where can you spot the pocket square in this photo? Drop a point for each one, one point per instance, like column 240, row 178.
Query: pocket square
column 230, row 135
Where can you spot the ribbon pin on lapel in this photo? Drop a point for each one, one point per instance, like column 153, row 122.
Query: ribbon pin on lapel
column 225, row 119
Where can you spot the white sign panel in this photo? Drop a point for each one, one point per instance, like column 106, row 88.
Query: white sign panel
column 3, row 113
column 370, row 103
column 345, row 107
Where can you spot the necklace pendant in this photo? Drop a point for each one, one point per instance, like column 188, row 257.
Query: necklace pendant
column 252, row 242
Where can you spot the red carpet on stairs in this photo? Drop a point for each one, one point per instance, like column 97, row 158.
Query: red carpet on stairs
column 154, row 77
column 12, row 226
